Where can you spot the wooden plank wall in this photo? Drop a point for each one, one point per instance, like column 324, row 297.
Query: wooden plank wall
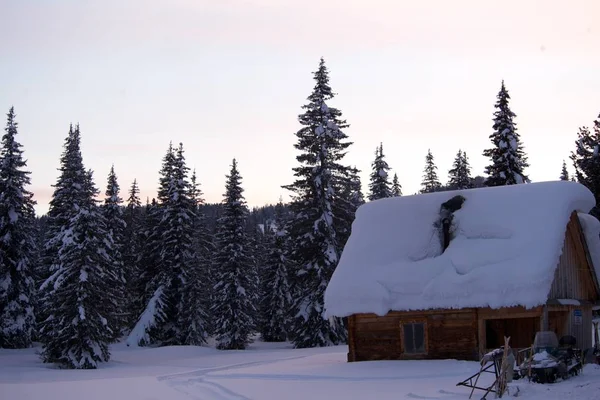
column 582, row 332
column 573, row 277
column 451, row 334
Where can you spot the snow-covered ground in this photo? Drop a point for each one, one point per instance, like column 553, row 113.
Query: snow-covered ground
column 264, row 371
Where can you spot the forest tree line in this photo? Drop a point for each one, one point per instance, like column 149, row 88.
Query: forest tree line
column 174, row 270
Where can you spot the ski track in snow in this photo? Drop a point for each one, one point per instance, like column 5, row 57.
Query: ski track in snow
column 196, row 380
column 262, row 372
column 197, row 384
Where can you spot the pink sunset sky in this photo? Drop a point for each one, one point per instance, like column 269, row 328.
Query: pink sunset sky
column 228, row 79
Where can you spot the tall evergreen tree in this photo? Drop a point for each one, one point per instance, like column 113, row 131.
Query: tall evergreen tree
column 586, row 160
column 168, row 317
column 430, row 182
column 155, row 323
column 235, row 290
column 507, row 157
column 396, row 187
column 350, row 191
column 132, row 251
column 321, row 213
column 564, row 173
column 18, row 247
column 276, row 298
column 116, row 225
column 357, row 197
column 459, row 176
column 80, row 295
column 380, row 183
column 199, row 279
column 147, row 267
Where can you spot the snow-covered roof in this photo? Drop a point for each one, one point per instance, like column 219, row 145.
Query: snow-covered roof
column 506, row 246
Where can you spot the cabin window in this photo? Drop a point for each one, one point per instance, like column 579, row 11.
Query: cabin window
column 414, row 337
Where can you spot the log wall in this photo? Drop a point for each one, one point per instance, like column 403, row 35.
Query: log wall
column 450, row 334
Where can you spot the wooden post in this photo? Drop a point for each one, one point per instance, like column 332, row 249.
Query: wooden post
column 481, row 335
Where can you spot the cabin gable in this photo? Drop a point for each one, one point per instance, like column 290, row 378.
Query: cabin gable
column 574, row 277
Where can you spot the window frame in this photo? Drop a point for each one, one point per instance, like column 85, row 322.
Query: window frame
column 411, row 322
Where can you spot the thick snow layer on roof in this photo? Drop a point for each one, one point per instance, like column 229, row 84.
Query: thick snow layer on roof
column 506, row 246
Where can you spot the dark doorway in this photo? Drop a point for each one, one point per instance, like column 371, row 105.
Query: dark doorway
column 521, row 331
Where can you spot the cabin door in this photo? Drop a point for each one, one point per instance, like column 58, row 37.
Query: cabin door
column 520, row 330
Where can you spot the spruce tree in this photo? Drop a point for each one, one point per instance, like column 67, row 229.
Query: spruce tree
column 116, row 225
column 507, row 157
column 198, row 280
column 234, row 307
column 204, row 249
column 396, row 187
column 147, row 267
column 18, row 247
column 276, row 298
column 132, row 254
column 380, row 183
column 356, row 195
column 430, row 182
column 169, row 317
column 322, row 214
column 155, row 323
column 586, row 160
column 80, row 295
column 350, row 191
column 58, row 216
column 564, row 173
column 459, row 176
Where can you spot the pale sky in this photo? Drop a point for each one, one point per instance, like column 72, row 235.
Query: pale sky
column 228, row 79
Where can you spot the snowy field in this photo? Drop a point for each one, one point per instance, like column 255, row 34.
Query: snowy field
column 264, row 371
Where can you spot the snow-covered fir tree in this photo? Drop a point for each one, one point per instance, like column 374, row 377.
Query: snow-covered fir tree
column 396, row 187
column 276, row 299
column 147, row 264
column 116, row 225
column 80, row 294
column 18, row 247
column 430, row 182
column 459, row 176
column 234, row 300
column 507, row 157
column 155, row 323
column 199, row 280
column 379, row 186
column 350, row 190
column 586, row 160
column 357, row 197
column 132, row 251
column 59, row 214
column 564, row 173
column 321, row 214
column 168, row 318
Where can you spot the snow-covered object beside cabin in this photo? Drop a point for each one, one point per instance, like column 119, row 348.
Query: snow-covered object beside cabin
column 507, row 244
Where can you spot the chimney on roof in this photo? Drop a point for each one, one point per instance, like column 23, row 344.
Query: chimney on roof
column 446, row 217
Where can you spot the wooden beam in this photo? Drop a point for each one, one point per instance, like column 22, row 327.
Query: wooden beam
column 481, row 335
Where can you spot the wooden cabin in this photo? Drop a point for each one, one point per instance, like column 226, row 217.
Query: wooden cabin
column 449, row 313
